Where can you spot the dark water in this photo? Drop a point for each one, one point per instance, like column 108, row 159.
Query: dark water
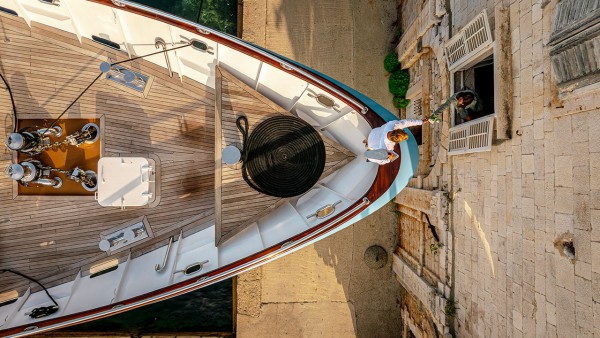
column 207, row 310
column 217, row 14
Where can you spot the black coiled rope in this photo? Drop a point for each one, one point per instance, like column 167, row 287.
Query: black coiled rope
column 283, row 157
column 12, row 100
column 41, row 311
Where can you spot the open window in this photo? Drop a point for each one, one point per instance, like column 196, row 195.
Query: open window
column 470, row 57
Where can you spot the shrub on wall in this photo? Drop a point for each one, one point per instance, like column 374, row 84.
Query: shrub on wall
column 391, row 63
column 400, row 102
column 398, row 83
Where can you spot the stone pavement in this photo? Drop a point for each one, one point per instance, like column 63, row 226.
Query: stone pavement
column 326, row 290
column 511, row 207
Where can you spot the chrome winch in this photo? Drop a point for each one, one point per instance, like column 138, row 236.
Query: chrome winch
column 36, row 141
column 33, row 172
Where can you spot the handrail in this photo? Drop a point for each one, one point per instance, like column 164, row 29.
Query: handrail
column 161, row 43
column 209, row 31
column 158, row 267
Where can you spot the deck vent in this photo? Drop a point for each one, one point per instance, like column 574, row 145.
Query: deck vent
column 106, row 42
column 472, row 137
column 8, row 298
column 126, row 77
column 469, row 41
column 104, row 268
column 8, row 11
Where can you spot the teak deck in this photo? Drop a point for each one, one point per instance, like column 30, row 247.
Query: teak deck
column 237, row 204
column 174, row 121
column 47, row 69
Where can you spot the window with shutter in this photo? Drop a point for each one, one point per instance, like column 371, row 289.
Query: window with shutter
column 472, row 137
column 474, row 39
column 575, row 42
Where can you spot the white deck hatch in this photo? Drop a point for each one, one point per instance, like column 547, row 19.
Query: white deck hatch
column 124, row 181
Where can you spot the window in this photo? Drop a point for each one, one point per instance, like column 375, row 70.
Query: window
column 476, row 78
column 470, row 57
column 574, row 43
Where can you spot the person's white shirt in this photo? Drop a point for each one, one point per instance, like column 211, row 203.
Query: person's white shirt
column 378, row 137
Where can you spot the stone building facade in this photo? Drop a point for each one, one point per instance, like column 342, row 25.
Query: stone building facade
column 512, row 192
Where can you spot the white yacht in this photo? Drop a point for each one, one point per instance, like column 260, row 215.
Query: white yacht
column 148, row 156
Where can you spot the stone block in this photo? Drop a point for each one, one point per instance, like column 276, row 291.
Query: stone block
column 528, row 188
column 583, row 270
column 526, row 56
column 595, row 250
column 528, row 207
column 527, row 163
column 582, row 243
column 526, row 77
column 528, row 278
column 527, row 144
column 583, row 289
column 585, row 319
column 564, row 171
column 596, row 287
column 579, row 127
column 563, row 223
column 595, row 198
column 564, row 200
column 538, row 129
column 517, row 320
column 565, row 313
column 539, row 193
column 540, row 245
column 595, row 225
column 549, row 151
column 563, row 137
column 595, row 170
column 550, row 313
column 582, row 215
column 540, row 286
column 596, row 309
column 537, row 62
column 594, row 136
column 581, row 179
column 565, row 274
column 540, row 315
column 515, row 45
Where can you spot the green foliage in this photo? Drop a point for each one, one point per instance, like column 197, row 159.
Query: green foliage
column 401, row 102
column 217, row 14
column 450, row 309
column 391, row 63
column 398, row 83
column 435, row 247
column 398, row 33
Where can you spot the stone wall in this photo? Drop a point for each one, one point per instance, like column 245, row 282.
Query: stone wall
column 508, row 206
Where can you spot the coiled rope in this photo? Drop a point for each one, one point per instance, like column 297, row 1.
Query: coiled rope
column 283, row 157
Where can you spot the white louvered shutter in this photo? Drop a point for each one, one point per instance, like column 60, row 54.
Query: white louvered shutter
column 469, row 41
column 471, row 137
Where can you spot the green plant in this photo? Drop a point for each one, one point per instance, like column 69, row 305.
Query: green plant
column 398, row 33
column 398, row 83
column 435, row 247
column 450, row 309
column 401, row 102
column 391, row 63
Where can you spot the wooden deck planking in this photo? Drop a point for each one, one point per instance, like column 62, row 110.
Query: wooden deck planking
column 175, row 120
column 238, row 205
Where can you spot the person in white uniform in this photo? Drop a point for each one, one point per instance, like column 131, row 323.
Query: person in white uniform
column 382, row 140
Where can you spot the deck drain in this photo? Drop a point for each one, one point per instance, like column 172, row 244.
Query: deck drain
column 375, row 257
